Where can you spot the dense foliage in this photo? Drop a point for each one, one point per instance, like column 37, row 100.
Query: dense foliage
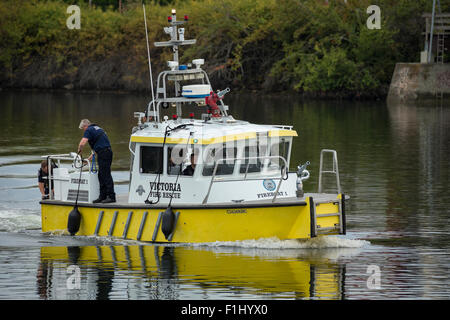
column 313, row 47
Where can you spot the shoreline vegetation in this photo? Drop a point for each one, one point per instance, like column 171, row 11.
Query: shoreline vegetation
column 315, row 48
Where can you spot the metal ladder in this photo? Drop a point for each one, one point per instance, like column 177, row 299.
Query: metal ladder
column 338, row 228
column 334, row 171
column 440, row 37
column 440, row 59
column 440, row 47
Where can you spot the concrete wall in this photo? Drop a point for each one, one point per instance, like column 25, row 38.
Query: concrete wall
column 412, row 81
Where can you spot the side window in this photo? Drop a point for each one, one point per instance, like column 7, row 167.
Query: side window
column 284, row 149
column 250, row 165
column 173, row 168
column 151, row 160
column 224, row 167
column 280, row 149
column 254, row 153
column 181, row 161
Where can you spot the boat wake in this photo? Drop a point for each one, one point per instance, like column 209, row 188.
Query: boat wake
column 16, row 220
column 326, row 247
column 325, row 242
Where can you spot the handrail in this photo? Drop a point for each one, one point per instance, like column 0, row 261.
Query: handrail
column 161, row 92
column 281, row 178
column 129, row 148
column 59, row 157
column 65, row 157
column 334, row 171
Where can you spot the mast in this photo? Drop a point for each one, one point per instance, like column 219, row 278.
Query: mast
column 174, row 42
column 173, row 30
column 179, row 73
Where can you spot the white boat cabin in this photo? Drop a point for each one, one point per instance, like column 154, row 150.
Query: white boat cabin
column 234, row 161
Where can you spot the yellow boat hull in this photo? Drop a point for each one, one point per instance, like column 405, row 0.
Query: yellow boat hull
column 289, row 220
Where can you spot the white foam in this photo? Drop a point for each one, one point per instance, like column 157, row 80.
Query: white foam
column 15, row 220
column 107, row 240
column 323, row 242
column 329, row 248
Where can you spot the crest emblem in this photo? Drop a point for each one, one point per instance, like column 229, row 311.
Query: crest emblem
column 269, row 184
column 140, row 190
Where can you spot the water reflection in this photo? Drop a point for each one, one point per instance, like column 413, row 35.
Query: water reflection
column 393, row 161
column 417, row 198
column 180, row 272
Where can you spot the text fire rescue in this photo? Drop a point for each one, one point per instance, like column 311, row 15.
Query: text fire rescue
column 173, row 188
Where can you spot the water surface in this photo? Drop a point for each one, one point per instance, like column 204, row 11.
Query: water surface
column 393, row 161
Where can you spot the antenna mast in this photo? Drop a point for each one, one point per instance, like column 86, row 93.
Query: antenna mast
column 148, row 55
column 174, row 42
column 173, row 30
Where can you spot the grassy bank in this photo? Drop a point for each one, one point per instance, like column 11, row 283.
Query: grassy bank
column 303, row 46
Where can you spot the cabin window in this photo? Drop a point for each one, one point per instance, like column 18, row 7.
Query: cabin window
column 179, row 161
column 151, row 160
column 224, row 167
column 280, row 149
column 251, row 163
column 253, row 154
column 283, row 149
column 173, row 165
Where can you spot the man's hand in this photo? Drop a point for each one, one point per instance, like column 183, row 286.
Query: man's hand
column 82, row 143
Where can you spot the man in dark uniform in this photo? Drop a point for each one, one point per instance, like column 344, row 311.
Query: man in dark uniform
column 99, row 142
column 43, row 181
column 189, row 171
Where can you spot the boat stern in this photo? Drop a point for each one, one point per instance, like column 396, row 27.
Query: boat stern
column 324, row 214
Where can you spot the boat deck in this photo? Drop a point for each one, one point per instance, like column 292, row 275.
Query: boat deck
column 122, row 202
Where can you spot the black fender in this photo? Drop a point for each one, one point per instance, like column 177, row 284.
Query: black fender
column 74, row 220
column 168, row 222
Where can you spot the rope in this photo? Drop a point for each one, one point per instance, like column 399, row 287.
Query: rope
column 158, row 176
column 179, row 172
column 94, row 164
column 79, row 179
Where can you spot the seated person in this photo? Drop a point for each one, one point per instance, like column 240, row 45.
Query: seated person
column 189, row 171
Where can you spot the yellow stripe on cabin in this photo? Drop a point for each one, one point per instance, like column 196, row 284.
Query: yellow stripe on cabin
column 221, row 139
column 283, row 133
column 158, row 140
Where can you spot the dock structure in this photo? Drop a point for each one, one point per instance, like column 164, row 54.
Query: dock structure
column 429, row 79
column 436, row 31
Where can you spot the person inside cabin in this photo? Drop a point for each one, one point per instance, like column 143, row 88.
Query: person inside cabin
column 43, row 182
column 172, row 167
column 189, row 171
column 99, row 142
